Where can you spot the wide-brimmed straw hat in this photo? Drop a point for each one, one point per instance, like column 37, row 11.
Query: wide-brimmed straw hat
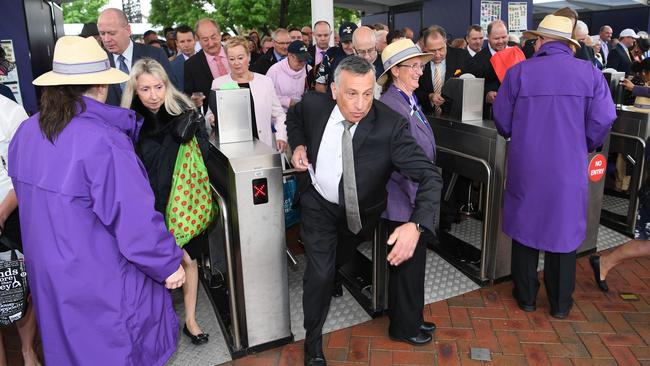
column 80, row 61
column 554, row 27
column 641, row 104
column 397, row 52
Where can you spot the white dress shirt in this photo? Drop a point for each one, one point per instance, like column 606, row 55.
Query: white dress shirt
column 327, row 176
column 471, row 51
column 128, row 57
column 443, row 72
column 605, row 48
column 11, row 117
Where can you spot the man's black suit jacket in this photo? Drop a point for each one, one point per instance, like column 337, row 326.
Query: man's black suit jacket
column 618, row 60
column 139, row 51
column 198, row 77
column 481, row 67
column 456, row 59
column 264, row 62
column 382, row 143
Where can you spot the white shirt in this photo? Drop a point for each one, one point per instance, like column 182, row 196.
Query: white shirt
column 605, row 48
column 443, row 72
column 11, row 117
column 128, row 57
column 471, row 52
column 327, row 176
column 492, row 50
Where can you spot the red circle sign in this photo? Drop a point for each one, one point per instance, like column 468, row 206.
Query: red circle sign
column 597, row 167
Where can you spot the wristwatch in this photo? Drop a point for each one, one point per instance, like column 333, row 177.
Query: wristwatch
column 419, row 227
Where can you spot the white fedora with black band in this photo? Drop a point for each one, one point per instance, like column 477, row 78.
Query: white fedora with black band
column 554, row 27
column 80, row 61
column 397, row 52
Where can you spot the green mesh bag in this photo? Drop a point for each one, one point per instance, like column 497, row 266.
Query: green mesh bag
column 189, row 210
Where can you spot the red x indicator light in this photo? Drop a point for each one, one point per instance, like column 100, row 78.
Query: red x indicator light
column 260, row 191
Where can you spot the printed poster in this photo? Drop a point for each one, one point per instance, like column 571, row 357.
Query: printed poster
column 11, row 79
column 517, row 17
column 490, row 11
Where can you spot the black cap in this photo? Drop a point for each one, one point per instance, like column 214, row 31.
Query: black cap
column 345, row 31
column 299, row 49
column 89, row 29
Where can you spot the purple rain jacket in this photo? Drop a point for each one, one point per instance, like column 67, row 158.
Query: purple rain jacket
column 97, row 253
column 555, row 108
column 401, row 190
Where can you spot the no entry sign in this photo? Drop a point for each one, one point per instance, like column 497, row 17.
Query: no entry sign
column 597, row 167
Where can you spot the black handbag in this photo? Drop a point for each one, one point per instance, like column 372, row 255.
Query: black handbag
column 186, row 125
column 14, row 288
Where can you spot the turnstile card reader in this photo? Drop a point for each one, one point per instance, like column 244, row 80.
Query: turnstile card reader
column 466, row 95
column 254, row 310
column 233, row 115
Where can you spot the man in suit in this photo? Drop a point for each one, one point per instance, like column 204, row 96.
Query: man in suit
column 481, row 67
column 115, row 31
column 605, row 36
column 185, row 43
column 207, row 64
column 281, row 41
column 474, row 38
column 446, row 63
column 322, row 34
column 350, row 145
column 619, row 57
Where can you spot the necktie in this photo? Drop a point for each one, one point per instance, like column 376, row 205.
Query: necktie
column 349, row 181
column 220, row 66
column 123, row 68
column 437, row 86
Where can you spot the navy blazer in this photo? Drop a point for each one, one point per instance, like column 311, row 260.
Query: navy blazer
column 618, row 60
column 178, row 69
column 139, row 51
column 456, row 59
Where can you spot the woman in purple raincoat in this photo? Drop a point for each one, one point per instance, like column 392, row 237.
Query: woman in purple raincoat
column 98, row 255
column 555, row 108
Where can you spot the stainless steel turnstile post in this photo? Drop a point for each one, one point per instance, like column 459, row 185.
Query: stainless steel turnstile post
column 251, row 295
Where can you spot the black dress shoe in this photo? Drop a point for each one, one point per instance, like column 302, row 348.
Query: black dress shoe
column 196, row 339
column 562, row 314
column 427, row 327
column 315, row 360
column 419, row 340
column 594, row 260
column 337, row 290
column 524, row 307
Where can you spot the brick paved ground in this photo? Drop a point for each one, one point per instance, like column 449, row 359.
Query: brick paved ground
column 602, row 329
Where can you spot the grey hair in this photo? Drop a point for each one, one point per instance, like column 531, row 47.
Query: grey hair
column 206, row 20
column 278, row 32
column 581, row 28
column 354, row 64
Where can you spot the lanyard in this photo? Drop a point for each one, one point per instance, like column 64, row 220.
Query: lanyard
column 415, row 108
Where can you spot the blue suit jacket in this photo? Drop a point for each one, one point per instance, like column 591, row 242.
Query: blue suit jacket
column 139, row 51
column 178, row 69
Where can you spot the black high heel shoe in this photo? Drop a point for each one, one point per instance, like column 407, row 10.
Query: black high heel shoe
column 594, row 260
column 196, row 339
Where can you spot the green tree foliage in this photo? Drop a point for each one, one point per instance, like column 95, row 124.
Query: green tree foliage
column 236, row 15
column 82, row 11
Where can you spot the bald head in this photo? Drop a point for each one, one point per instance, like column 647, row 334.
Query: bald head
column 364, row 42
column 114, row 29
column 497, row 35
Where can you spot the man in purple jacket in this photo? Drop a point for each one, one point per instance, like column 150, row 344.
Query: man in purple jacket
column 555, row 108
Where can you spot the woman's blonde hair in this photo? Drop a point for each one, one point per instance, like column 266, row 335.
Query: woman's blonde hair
column 237, row 41
column 175, row 101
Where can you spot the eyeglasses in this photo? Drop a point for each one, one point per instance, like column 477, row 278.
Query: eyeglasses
column 370, row 52
column 413, row 67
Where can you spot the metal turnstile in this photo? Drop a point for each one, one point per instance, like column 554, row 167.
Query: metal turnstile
column 245, row 271
column 474, row 152
column 628, row 138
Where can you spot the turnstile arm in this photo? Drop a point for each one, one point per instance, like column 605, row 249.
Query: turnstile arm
column 234, row 316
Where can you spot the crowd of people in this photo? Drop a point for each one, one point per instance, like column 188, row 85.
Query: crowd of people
column 94, row 171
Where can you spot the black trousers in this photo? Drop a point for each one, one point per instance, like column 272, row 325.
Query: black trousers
column 328, row 245
column 406, row 289
column 559, row 276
